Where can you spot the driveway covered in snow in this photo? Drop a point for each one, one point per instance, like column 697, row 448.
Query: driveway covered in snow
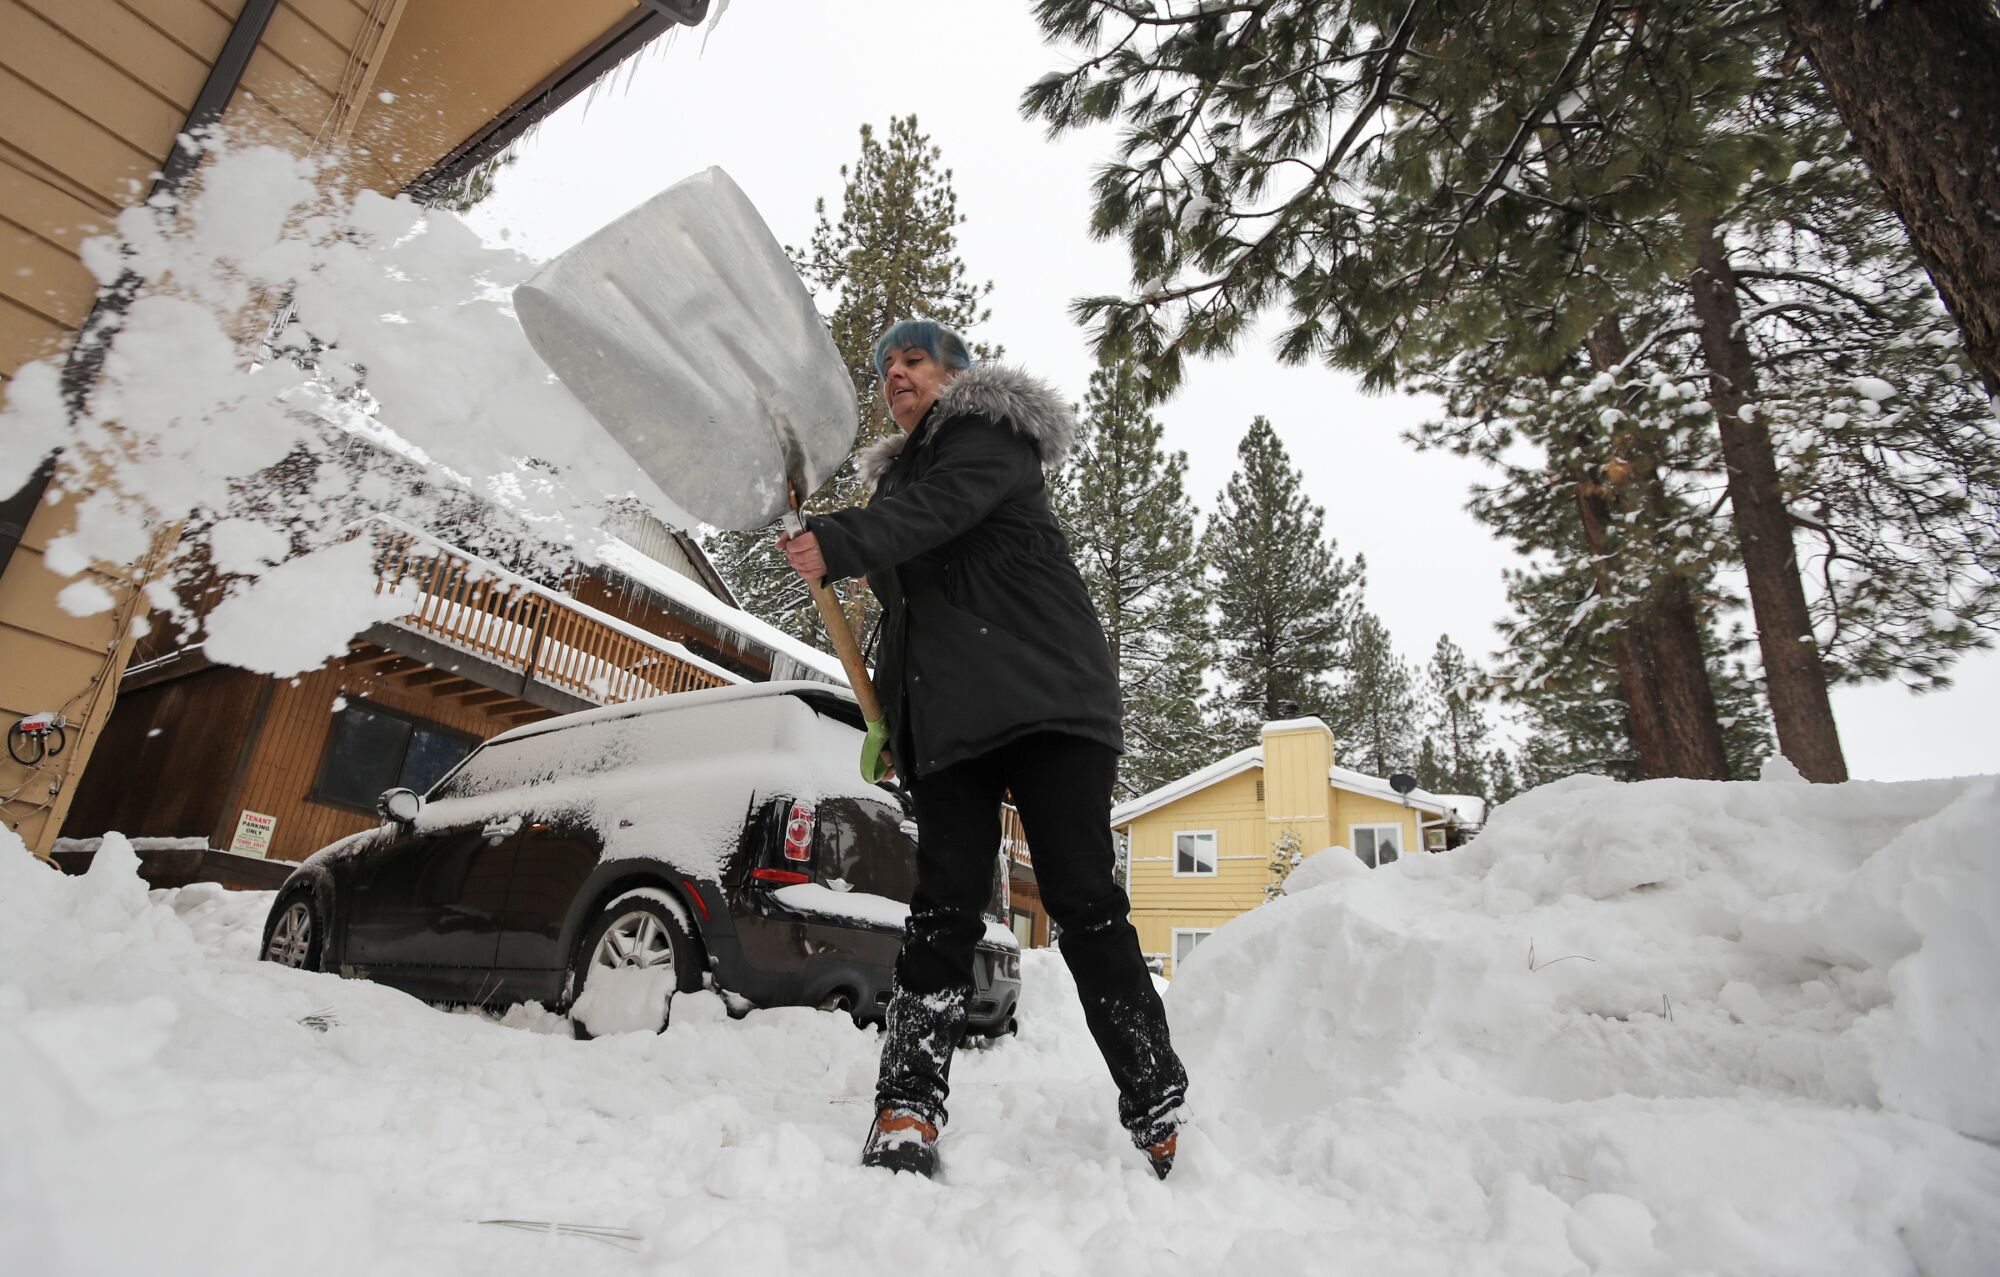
column 1667, row 1028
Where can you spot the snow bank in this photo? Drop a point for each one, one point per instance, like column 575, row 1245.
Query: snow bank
column 1754, row 1037
column 1656, row 1028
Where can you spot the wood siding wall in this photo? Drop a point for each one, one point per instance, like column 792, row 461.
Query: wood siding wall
column 92, row 94
column 176, row 744
column 1161, row 901
column 1023, row 894
column 286, row 758
column 229, row 740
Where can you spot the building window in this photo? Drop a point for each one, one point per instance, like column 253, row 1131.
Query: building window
column 1377, row 845
column 371, row 749
column 1185, row 940
column 1194, row 853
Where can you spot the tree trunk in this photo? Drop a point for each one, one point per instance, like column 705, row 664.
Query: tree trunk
column 1794, row 679
column 1628, row 645
column 1687, row 699
column 1676, row 664
column 1918, row 84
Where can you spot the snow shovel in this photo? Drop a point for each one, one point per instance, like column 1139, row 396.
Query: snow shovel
column 684, row 330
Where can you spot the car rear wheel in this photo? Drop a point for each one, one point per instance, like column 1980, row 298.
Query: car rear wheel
column 635, row 955
column 841, row 1002
column 293, row 934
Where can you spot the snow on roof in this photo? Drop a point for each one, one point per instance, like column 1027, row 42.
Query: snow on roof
column 1241, row 760
column 1376, row 787
column 1346, row 778
column 1297, row 724
column 1469, row 808
column 691, row 594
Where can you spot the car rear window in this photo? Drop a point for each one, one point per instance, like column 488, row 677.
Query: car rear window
column 863, row 845
column 867, row 846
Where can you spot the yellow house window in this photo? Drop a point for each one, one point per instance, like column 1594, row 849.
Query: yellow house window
column 1194, row 853
column 1185, row 940
column 1377, row 845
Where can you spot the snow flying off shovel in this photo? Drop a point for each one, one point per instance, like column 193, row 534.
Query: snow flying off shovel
column 685, row 331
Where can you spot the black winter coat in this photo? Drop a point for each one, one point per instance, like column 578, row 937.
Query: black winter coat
column 987, row 631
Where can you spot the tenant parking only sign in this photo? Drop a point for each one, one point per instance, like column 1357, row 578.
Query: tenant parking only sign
column 253, row 834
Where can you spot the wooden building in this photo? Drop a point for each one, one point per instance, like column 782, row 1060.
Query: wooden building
column 97, row 98
column 1026, row 913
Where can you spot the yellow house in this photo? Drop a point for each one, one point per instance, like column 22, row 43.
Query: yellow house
column 1200, row 848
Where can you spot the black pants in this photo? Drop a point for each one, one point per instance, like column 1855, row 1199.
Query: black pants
column 1061, row 785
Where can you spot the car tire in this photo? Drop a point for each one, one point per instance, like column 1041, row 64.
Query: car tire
column 987, row 1039
column 635, row 932
column 841, row 1002
column 295, row 931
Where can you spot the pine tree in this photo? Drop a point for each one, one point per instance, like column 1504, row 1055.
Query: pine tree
column 1383, row 171
column 891, row 255
column 1431, row 776
column 1511, row 173
column 1504, row 782
column 1375, row 712
column 1283, row 597
column 1560, row 672
column 1593, row 479
column 1919, row 85
column 1122, row 502
column 1458, row 725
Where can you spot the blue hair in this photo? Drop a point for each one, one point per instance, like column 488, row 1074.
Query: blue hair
column 927, row 335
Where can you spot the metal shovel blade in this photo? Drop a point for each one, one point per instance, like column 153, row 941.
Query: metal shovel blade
column 686, row 333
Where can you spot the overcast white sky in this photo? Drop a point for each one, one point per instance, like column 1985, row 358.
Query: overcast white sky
column 776, row 92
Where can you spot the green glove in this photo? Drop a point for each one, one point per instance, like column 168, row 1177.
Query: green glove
column 873, row 769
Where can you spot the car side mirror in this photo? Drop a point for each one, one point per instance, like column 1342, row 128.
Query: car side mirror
column 399, row 805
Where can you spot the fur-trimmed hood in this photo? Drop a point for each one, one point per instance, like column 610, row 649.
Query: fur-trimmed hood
column 1028, row 404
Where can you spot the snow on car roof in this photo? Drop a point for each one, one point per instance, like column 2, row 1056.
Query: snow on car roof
column 804, row 689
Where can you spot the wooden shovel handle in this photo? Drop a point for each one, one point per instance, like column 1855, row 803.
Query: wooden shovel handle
column 847, row 649
column 835, row 621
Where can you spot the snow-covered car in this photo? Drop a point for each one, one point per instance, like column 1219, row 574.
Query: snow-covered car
column 602, row 861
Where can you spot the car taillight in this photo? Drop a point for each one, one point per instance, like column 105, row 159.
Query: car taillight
column 799, row 833
column 785, row 876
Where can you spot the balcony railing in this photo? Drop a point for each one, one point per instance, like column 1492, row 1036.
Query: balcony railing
column 513, row 623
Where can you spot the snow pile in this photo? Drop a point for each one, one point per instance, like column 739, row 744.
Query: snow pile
column 1329, row 865
column 1754, row 1037
column 1670, row 1027
column 277, row 325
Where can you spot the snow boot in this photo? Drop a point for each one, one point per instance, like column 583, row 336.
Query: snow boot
column 901, row 1141
column 1159, row 1139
